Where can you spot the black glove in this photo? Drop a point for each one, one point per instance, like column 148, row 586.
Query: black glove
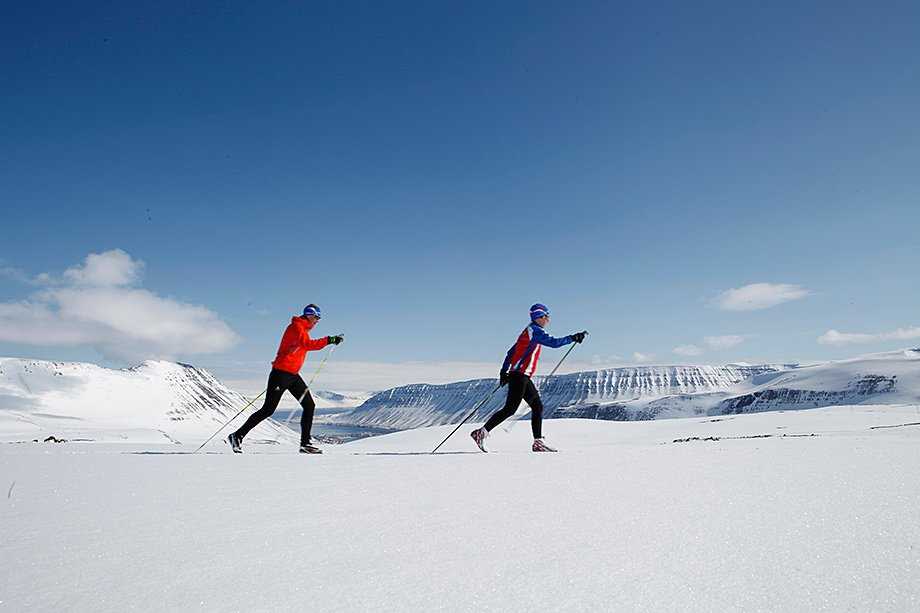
column 335, row 340
column 502, row 379
column 579, row 336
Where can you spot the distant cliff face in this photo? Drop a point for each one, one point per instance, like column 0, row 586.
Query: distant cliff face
column 654, row 392
column 856, row 392
column 599, row 394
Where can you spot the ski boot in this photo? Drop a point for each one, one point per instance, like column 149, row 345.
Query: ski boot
column 236, row 443
column 309, row 448
column 479, row 436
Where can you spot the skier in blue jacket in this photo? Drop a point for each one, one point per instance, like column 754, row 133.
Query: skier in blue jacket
column 520, row 364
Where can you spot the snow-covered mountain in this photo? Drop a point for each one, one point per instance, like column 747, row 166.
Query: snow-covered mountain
column 654, row 392
column 154, row 401
column 178, row 402
column 416, row 405
column 883, row 378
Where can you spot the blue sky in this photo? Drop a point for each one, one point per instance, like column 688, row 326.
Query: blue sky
column 426, row 171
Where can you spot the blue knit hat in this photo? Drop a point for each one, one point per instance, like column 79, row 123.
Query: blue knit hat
column 312, row 309
column 537, row 311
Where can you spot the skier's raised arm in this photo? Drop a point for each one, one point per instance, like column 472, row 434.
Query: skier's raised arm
column 548, row 340
column 313, row 344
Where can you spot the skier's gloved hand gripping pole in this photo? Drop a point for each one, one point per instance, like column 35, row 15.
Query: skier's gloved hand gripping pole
column 578, row 338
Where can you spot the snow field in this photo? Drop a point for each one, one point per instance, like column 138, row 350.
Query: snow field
column 621, row 519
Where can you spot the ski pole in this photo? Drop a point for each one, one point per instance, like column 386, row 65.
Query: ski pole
column 511, row 423
column 473, row 412
column 312, row 379
column 251, row 402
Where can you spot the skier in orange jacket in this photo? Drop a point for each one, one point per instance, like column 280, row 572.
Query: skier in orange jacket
column 285, row 376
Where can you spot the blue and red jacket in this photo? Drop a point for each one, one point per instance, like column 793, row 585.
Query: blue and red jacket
column 525, row 353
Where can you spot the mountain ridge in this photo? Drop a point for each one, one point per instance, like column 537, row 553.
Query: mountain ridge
column 654, row 392
column 154, row 400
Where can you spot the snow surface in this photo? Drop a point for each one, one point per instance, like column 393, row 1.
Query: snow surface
column 622, row 519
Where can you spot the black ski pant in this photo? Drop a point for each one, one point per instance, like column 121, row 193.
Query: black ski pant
column 278, row 383
column 520, row 387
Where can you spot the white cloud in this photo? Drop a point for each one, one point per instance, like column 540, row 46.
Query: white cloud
column 36, row 323
column 642, row 357
column 724, row 342
column 113, row 268
column 759, row 296
column 14, row 274
column 688, row 350
column 833, row 337
column 92, row 305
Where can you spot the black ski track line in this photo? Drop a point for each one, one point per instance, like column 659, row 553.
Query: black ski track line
column 49, row 440
column 738, row 438
column 415, row 453
column 354, row 453
column 913, row 423
column 208, row 453
column 172, row 453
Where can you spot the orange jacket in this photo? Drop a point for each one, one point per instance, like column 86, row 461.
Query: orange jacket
column 295, row 344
